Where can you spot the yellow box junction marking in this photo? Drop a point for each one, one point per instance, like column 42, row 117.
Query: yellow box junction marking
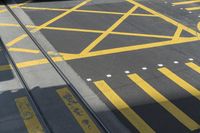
column 164, row 102
column 107, row 32
column 193, row 66
column 124, row 108
column 12, row 7
column 68, row 56
column 11, row 43
column 30, row 119
column 77, row 111
column 180, row 82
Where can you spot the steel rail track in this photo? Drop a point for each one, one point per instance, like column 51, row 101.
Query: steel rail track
column 58, row 70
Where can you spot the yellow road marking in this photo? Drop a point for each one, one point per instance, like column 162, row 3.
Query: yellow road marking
column 24, row 50
column 30, row 119
column 177, row 33
column 77, row 111
column 93, row 31
column 107, row 32
column 11, row 43
column 88, row 11
column 198, row 26
column 5, row 67
column 193, row 66
column 193, row 8
column 179, row 81
column 124, row 108
column 67, row 56
column 185, row 2
column 15, row 6
column 167, row 19
column 164, row 102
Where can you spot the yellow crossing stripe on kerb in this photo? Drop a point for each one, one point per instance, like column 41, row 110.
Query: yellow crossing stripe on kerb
column 124, row 108
column 30, row 119
column 77, row 111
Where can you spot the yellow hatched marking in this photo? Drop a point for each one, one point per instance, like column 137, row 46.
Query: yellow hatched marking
column 88, row 11
column 11, row 43
column 193, row 66
column 107, row 32
column 77, row 111
column 186, row 2
column 30, row 119
column 177, row 33
column 164, row 102
column 193, row 8
column 179, row 81
column 124, row 108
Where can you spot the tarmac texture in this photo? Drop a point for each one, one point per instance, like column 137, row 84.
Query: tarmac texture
column 135, row 62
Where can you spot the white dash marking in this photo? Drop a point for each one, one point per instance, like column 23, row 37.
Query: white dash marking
column 144, row 68
column 160, row 65
column 190, row 59
column 108, row 75
column 176, row 62
column 89, row 79
column 127, row 72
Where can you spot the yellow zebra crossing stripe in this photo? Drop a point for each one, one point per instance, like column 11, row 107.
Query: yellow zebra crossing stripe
column 124, row 108
column 179, row 81
column 164, row 102
column 29, row 117
column 77, row 111
column 193, row 66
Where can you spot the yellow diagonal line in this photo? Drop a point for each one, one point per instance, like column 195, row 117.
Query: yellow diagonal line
column 167, row 19
column 179, row 81
column 177, row 33
column 193, row 66
column 185, row 2
column 11, row 43
column 193, row 8
column 164, row 102
column 107, row 32
column 123, row 107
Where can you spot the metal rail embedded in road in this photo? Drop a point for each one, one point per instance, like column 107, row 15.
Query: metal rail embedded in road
column 54, row 65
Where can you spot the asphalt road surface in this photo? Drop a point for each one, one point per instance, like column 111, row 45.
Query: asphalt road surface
column 135, row 62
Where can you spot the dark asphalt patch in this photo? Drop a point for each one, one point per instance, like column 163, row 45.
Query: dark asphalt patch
column 113, row 6
column 115, row 41
column 86, row 21
column 69, row 42
column 147, row 25
column 40, row 16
